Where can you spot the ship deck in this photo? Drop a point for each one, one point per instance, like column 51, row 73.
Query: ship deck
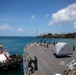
column 48, row 63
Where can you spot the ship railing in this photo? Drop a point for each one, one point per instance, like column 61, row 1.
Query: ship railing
column 25, row 58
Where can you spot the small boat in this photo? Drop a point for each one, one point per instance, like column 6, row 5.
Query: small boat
column 8, row 61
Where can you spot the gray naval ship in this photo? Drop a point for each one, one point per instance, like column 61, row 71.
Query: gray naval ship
column 57, row 59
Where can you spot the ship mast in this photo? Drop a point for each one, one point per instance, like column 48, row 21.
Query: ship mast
column 37, row 31
column 36, row 34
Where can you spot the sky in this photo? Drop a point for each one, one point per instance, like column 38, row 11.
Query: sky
column 35, row 17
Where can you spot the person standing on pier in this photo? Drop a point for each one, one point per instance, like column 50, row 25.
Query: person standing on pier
column 47, row 45
column 30, row 65
column 73, row 48
column 35, row 61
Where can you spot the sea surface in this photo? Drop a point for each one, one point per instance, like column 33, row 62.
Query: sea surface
column 16, row 45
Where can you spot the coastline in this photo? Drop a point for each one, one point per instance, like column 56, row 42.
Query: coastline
column 50, row 35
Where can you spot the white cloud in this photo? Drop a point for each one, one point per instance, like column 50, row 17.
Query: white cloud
column 65, row 15
column 75, row 25
column 5, row 27
column 20, row 30
column 33, row 17
column 47, row 15
column 50, row 23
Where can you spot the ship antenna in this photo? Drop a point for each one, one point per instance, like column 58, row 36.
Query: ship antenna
column 37, row 35
column 37, row 31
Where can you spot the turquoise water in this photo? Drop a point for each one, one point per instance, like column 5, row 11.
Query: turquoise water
column 17, row 44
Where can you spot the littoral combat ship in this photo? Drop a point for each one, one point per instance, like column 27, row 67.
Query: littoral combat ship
column 57, row 59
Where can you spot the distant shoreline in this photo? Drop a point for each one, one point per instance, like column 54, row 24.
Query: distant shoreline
column 50, row 35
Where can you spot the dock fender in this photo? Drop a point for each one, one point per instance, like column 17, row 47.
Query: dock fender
column 13, row 65
column 19, row 61
column 5, row 67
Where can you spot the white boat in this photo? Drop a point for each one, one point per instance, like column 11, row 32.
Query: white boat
column 8, row 61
